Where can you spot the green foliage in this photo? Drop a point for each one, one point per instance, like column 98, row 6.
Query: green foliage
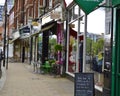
column 52, row 41
column 58, row 47
column 94, row 47
column 89, row 46
column 40, row 38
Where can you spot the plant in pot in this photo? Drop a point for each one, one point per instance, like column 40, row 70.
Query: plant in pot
column 58, row 47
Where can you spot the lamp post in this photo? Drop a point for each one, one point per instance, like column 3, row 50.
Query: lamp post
column 5, row 33
column 7, row 43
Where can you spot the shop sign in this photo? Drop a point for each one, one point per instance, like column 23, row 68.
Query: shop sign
column 55, row 15
column 88, row 5
column 16, row 35
column 115, row 2
column 25, row 32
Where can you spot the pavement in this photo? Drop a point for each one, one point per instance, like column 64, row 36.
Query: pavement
column 20, row 80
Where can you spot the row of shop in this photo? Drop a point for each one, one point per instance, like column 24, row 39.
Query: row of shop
column 36, row 41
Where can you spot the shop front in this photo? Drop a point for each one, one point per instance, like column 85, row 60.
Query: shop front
column 51, row 34
column 24, row 43
column 75, row 39
column 85, row 49
column 115, row 52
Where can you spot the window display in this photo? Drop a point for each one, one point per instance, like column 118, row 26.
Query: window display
column 94, row 45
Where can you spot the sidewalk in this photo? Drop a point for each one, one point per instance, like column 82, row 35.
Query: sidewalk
column 21, row 81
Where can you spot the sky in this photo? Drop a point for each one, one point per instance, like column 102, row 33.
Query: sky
column 96, row 19
column 2, row 2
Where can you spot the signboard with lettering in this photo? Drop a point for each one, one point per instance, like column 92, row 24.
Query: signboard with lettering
column 88, row 5
column 25, row 32
column 25, row 29
column 1, row 12
column 84, row 84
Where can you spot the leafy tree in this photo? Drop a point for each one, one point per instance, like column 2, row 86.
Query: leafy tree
column 94, row 47
column 89, row 46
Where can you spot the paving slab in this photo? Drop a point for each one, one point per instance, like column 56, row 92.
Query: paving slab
column 20, row 80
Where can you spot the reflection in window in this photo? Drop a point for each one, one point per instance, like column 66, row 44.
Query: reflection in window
column 76, row 12
column 72, row 50
column 95, row 56
column 70, row 15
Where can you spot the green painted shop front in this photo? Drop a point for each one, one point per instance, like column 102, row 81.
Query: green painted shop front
column 116, row 54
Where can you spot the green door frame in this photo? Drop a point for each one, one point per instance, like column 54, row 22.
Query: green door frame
column 116, row 54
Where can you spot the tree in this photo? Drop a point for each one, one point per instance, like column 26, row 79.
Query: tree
column 89, row 46
column 94, row 47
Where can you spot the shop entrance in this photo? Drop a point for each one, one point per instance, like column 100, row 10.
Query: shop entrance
column 23, row 54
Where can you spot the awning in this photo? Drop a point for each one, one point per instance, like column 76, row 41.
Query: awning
column 34, row 34
column 11, row 41
column 115, row 2
column 45, row 27
column 52, row 26
column 88, row 5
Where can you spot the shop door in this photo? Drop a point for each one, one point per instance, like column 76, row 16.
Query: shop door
column 23, row 54
column 45, row 46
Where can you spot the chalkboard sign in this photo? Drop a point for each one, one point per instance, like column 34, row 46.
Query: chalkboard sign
column 84, row 84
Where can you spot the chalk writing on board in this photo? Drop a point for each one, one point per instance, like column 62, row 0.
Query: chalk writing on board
column 84, row 84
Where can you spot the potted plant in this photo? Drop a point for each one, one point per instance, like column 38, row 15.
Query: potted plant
column 58, row 47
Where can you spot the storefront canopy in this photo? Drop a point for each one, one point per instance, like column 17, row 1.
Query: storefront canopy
column 11, row 41
column 52, row 26
column 115, row 2
column 48, row 26
column 88, row 5
column 16, row 35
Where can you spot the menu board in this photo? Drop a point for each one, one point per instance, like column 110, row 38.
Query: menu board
column 84, row 84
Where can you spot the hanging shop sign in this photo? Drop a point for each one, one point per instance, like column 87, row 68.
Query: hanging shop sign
column 25, row 32
column 88, row 5
column 115, row 2
column 55, row 15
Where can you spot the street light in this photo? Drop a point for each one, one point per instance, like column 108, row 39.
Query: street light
column 5, row 32
column 7, row 44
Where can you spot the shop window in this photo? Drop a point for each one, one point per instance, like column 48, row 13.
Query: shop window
column 73, row 29
column 39, row 51
column 75, row 40
column 95, row 57
column 70, row 15
column 51, row 50
column 75, row 12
